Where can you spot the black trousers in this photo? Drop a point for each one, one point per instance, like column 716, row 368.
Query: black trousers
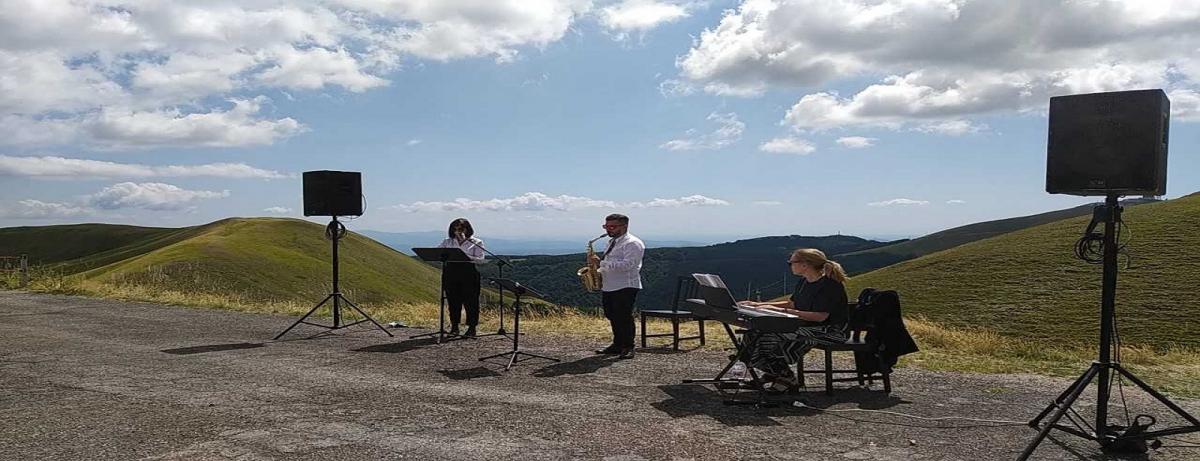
column 462, row 291
column 618, row 309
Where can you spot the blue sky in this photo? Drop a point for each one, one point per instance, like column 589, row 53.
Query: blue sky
column 699, row 119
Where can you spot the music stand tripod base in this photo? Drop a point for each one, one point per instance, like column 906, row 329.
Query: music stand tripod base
column 516, row 355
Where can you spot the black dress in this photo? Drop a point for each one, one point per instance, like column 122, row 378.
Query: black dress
column 461, row 280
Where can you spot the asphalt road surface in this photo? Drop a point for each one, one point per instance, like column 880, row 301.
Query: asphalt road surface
column 97, row 379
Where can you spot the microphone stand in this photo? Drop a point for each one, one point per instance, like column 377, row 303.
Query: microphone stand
column 500, row 263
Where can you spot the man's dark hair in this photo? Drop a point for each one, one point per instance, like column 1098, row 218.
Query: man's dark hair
column 466, row 225
column 624, row 220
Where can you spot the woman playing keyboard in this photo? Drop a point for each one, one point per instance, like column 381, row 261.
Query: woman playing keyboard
column 820, row 302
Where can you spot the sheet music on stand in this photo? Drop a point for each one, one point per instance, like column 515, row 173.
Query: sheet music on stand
column 710, row 280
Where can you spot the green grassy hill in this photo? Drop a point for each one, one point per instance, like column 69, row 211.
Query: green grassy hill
column 86, row 246
column 1028, row 283
column 875, row 258
column 250, row 259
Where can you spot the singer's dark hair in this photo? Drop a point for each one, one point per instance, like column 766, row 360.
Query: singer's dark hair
column 466, row 227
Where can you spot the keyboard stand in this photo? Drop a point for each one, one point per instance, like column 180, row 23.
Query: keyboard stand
column 721, row 383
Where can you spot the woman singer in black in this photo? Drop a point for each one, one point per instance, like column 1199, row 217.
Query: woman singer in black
column 461, row 279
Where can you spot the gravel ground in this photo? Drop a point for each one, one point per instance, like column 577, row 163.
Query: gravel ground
column 96, row 379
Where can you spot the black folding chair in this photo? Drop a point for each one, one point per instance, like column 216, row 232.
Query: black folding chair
column 685, row 288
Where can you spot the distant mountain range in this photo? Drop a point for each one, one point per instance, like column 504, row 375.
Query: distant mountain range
column 752, row 264
column 405, row 241
column 753, row 267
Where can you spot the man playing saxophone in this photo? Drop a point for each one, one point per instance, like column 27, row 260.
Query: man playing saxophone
column 620, row 270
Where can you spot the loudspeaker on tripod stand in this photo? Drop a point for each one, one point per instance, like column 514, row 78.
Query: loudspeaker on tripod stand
column 332, row 193
column 1108, row 143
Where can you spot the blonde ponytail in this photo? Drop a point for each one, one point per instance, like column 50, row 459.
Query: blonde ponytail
column 816, row 259
column 834, row 271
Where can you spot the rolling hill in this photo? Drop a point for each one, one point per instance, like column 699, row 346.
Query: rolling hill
column 874, row 258
column 253, row 259
column 1029, row 284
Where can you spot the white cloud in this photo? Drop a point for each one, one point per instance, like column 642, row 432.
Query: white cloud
column 1185, row 105
column 673, row 88
column 899, row 202
column 117, row 74
column 60, row 167
column 641, row 15
column 412, row 142
column 529, row 201
column 118, row 129
column 856, row 142
column 314, row 68
column 278, row 210
column 728, row 132
column 788, row 145
column 944, row 60
column 445, row 30
column 691, row 200
column 149, row 196
column 35, row 82
column 955, row 202
column 234, row 127
column 951, row 127
column 185, row 76
column 537, row 201
column 36, row 209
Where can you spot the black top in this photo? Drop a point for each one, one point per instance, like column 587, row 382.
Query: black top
column 823, row 295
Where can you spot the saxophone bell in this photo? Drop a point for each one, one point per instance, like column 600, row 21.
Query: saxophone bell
column 589, row 275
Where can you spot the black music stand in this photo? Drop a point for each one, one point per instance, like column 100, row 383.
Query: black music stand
column 444, row 256
column 518, row 290
column 500, row 263
column 334, row 231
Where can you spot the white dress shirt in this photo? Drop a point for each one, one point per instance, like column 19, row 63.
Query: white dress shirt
column 622, row 268
column 473, row 247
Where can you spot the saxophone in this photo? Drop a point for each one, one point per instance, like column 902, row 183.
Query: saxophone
column 589, row 275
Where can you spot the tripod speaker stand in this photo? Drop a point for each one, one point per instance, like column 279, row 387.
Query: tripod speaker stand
column 1103, row 369
column 334, row 232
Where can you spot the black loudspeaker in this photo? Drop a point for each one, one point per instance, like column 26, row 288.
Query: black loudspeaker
column 332, row 193
column 1108, row 143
